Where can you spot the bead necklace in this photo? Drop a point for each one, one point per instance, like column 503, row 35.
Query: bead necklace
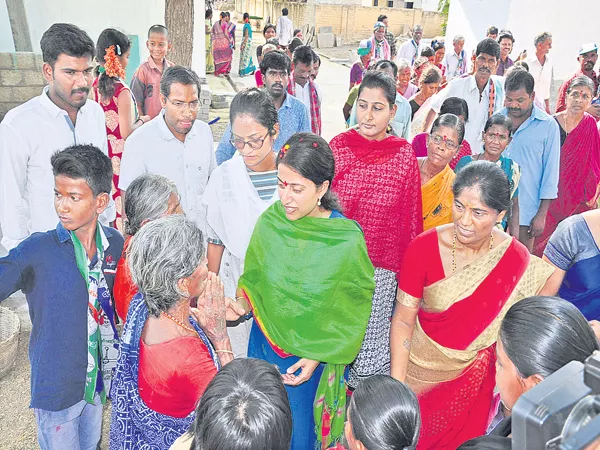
column 178, row 322
column 454, row 248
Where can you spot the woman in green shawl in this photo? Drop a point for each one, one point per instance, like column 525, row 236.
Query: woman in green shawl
column 309, row 282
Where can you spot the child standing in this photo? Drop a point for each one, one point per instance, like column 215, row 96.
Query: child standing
column 113, row 95
column 67, row 276
column 146, row 79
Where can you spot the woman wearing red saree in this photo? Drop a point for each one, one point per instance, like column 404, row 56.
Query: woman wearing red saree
column 457, row 282
column 222, row 46
column 377, row 181
column 579, row 160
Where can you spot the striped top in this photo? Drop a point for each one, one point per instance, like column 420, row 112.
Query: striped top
column 265, row 183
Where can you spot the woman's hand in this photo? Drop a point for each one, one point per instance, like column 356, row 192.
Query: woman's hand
column 212, row 310
column 234, row 310
column 306, row 366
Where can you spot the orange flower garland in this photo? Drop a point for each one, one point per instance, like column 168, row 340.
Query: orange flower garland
column 112, row 64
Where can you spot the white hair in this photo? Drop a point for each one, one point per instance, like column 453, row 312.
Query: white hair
column 458, row 38
column 403, row 64
column 160, row 254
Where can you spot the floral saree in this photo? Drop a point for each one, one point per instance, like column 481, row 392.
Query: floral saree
column 452, row 366
column 246, row 65
column 437, row 199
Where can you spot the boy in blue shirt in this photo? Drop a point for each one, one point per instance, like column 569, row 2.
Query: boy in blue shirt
column 67, row 276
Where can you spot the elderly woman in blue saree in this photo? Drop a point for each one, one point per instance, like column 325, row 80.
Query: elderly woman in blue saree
column 309, row 282
column 574, row 251
column 246, row 65
column 170, row 351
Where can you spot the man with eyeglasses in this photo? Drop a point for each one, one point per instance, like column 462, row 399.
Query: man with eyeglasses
column 483, row 92
column 174, row 144
column 293, row 115
column 535, row 147
column 588, row 56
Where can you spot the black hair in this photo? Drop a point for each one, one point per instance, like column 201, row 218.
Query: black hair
column 311, row 157
column 381, row 18
column 581, row 81
column 499, row 119
column 505, row 34
column 244, row 407
column 295, row 44
column 427, row 52
column 208, row 13
column 380, row 80
column 521, row 65
column 65, row 38
column 489, row 47
column 518, row 79
column 384, row 414
column 84, row 162
column 492, row 30
column 276, row 61
column 256, row 103
column 284, row 11
column 438, row 45
column 316, row 58
column 158, row 29
column 223, row 14
column 493, row 184
column 227, row 14
column 386, row 64
column 109, row 37
column 296, row 31
column 246, row 16
column 178, row 74
column 542, row 334
column 431, row 74
column 457, row 106
column 451, row 121
column 267, row 26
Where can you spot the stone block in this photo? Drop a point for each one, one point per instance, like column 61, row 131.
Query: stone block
column 325, row 29
column 25, row 60
column 33, row 78
column 339, row 40
column 39, row 61
column 21, row 94
column 6, row 94
column 6, row 61
column 11, row 77
column 219, row 105
column 325, row 40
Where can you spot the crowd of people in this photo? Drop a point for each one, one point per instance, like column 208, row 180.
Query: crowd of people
column 398, row 287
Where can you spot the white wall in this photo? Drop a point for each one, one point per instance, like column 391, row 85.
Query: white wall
column 570, row 26
column 6, row 39
column 429, row 5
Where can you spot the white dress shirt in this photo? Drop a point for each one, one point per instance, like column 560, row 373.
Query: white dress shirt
column 467, row 89
column 542, row 75
column 451, row 63
column 303, row 94
column 29, row 135
column 285, row 30
column 409, row 51
column 153, row 148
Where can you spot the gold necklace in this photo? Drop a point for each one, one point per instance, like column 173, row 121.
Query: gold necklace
column 454, row 248
column 178, row 322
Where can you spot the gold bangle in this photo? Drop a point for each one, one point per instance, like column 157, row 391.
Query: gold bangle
column 224, row 351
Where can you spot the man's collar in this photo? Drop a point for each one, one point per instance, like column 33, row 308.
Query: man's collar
column 165, row 132
column 287, row 102
column 473, row 83
column 64, row 235
column 152, row 64
column 52, row 107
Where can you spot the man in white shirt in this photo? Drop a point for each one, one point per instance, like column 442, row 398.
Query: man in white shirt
column 411, row 49
column 174, row 144
column 303, row 88
column 540, row 67
column 285, row 28
column 32, row 132
column 455, row 61
column 483, row 92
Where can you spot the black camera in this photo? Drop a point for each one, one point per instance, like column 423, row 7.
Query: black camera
column 562, row 412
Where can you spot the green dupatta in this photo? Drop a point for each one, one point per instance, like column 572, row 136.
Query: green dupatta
column 310, row 283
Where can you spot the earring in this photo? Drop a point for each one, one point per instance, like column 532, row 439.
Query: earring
column 319, row 202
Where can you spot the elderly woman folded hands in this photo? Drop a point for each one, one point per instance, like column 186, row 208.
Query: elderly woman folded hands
column 170, row 351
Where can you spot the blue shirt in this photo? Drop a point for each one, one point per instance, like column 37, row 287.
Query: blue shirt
column 43, row 266
column 293, row 118
column 401, row 121
column 535, row 147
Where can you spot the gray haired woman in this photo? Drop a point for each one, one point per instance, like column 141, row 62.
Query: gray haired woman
column 149, row 197
column 170, row 351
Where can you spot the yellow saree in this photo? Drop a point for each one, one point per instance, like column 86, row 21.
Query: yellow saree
column 437, row 199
